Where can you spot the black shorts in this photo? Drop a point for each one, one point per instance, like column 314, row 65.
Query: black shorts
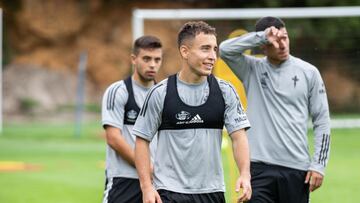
column 174, row 197
column 122, row 190
column 277, row 184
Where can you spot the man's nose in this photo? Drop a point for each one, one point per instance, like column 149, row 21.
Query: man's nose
column 152, row 63
column 282, row 44
column 212, row 55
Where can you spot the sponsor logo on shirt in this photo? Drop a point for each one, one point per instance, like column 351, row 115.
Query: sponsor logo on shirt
column 240, row 119
column 131, row 115
column 183, row 115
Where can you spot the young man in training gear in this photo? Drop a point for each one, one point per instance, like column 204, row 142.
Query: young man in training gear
column 121, row 105
column 281, row 90
column 188, row 110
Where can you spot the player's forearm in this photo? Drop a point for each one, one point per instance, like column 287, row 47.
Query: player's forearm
column 321, row 148
column 321, row 122
column 116, row 141
column 236, row 46
column 241, row 152
column 231, row 51
column 142, row 161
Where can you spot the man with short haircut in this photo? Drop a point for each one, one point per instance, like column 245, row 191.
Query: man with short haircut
column 188, row 111
column 281, row 90
column 120, row 107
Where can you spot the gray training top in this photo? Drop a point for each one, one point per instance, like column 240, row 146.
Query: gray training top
column 280, row 99
column 189, row 160
column 113, row 105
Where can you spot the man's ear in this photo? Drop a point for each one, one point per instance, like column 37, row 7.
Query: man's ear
column 184, row 51
column 133, row 58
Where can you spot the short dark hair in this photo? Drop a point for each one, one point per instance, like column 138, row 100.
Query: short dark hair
column 268, row 21
column 190, row 29
column 146, row 42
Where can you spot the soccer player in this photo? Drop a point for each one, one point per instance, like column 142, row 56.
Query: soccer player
column 188, row 110
column 282, row 91
column 121, row 105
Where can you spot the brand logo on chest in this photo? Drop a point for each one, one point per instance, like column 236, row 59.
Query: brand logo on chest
column 196, row 119
column 183, row 117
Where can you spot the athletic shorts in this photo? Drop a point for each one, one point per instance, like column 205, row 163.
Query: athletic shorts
column 277, row 184
column 174, row 197
column 122, row 190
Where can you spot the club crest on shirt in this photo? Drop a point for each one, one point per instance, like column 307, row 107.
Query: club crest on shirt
column 264, row 77
column 183, row 115
column 239, row 109
column 295, row 79
column 132, row 115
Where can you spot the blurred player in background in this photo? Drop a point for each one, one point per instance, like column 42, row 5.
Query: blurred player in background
column 189, row 110
column 281, row 90
column 121, row 105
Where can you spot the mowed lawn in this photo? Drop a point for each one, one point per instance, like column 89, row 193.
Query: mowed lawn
column 45, row 163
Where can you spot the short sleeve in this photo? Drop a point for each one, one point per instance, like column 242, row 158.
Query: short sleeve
column 149, row 119
column 113, row 104
column 235, row 116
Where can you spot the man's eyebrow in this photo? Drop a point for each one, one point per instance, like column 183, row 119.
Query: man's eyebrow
column 206, row 46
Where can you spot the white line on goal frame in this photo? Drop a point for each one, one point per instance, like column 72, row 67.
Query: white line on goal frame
column 139, row 15
column 1, row 71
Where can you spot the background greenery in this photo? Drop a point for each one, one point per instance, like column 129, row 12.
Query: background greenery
column 65, row 169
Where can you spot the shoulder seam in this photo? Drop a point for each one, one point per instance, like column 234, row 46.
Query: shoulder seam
column 110, row 102
column 146, row 102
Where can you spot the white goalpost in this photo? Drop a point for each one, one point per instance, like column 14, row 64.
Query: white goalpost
column 1, row 72
column 140, row 15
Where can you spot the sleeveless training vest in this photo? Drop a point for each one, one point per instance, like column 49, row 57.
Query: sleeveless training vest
column 131, row 108
column 178, row 115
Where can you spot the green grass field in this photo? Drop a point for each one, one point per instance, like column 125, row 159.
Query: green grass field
column 65, row 169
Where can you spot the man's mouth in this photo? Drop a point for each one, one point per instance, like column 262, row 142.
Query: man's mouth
column 208, row 65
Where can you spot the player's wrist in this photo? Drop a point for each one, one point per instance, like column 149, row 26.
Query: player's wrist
column 246, row 175
column 146, row 185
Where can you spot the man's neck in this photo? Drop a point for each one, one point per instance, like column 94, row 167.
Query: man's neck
column 190, row 77
column 276, row 62
column 140, row 81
